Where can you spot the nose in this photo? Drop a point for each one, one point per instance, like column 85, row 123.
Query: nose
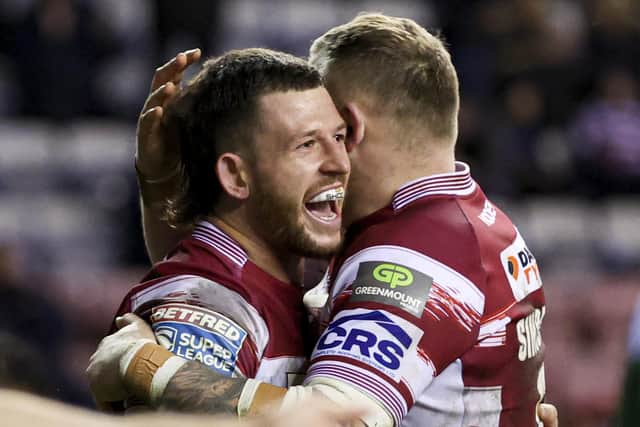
column 336, row 159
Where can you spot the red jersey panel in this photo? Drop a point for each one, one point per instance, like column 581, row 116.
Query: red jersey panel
column 208, row 302
column 435, row 310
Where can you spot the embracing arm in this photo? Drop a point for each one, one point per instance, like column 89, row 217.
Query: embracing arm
column 158, row 158
column 162, row 380
column 129, row 363
column 196, row 388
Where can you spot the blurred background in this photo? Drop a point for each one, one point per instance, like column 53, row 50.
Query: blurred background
column 550, row 122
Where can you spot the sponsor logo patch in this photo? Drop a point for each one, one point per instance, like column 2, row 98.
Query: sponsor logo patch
column 196, row 333
column 391, row 284
column 521, row 268
column 379, row 339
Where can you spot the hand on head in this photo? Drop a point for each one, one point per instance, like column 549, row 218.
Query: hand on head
column 156, row 157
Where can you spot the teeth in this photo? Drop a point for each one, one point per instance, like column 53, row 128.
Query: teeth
column 326, row 196
column 329, row 217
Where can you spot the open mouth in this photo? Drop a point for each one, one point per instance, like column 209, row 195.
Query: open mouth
column 326, row 205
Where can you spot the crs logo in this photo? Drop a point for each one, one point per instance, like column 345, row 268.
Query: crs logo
column 379, row 339
column 393, row 274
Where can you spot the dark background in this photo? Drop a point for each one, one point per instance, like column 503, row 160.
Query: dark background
column 550, row 122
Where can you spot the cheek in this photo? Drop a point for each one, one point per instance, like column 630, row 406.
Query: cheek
column 287, row 187
column 356, row 176
column 295, row 177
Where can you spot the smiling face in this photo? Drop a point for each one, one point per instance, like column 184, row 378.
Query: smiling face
column 299, row 172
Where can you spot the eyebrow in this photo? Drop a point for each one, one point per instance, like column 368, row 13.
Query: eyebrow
column 341, row 126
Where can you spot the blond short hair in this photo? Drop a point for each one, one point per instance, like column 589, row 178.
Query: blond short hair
column 404, row 67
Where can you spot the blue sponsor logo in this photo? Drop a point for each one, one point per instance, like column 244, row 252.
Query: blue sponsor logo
column 371, row 336
column 166, row 336
column 195, row 333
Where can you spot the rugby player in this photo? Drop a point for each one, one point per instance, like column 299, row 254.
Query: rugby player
column 263, row 172
column 435, row 302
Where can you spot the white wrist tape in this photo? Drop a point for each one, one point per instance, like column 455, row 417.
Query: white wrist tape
column 246, row 396
column 162, row 377
column 125, row 360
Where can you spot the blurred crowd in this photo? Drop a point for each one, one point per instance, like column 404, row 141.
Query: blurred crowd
column 550, row 122
column 549, row 86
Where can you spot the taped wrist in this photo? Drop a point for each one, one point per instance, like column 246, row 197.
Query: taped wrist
column 147, row 368
column 257, row 396
column 155, row 192
column 160, row 180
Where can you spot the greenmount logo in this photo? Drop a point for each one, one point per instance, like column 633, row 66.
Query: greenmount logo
column 394, row 275
column 391, row 284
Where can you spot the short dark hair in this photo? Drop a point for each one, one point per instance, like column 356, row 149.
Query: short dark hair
column 218, row 112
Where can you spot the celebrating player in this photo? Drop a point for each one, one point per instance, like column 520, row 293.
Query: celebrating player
column 435, row 300
column 263, row 173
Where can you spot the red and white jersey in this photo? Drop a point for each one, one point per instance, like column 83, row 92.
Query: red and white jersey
column 208, row 302
column 435, row 310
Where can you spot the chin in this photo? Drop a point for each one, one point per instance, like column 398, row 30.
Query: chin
column 306, row 238
column 324, row 246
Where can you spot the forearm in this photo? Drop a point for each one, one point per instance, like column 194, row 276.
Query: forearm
column 196, row 388
column 162, row 380
column 26, row 410
column 159, row 236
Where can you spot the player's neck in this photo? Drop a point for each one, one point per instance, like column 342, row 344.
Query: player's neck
column 283, row 266
column 434, row 163
column 401, row 168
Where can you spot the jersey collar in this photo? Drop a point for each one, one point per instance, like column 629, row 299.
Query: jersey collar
column 458, row 183
column 211, row 235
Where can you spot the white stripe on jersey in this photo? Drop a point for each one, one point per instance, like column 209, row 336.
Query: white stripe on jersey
column 213, row 296
column 365, row 380
column 210, row 234
column 482, row 406
column 458, row 183
column 462, row 189
column 277, row 370
column 454, row 283
column 441, row 404
column 494, row 332
column 448, row 403
column 156, row 291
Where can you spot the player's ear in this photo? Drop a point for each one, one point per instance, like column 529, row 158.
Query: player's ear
column 233, row 175
column 354, row 117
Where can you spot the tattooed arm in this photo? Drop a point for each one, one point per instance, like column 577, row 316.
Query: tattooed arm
column 128, row 363
column 147, row 372
column 196, row 388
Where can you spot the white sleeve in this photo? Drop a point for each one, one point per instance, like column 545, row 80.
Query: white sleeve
column 202, row 320
column 342, row 395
